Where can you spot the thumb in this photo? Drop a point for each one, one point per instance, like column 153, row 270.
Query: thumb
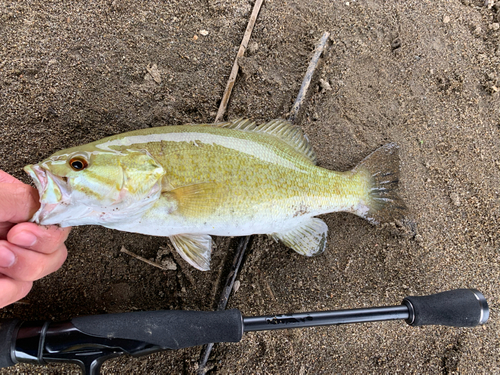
column 7, row 178
column 18, row 202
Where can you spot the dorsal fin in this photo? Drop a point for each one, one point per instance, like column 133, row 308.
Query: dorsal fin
column 284, row 130
column 291, row 134
column 238, row 124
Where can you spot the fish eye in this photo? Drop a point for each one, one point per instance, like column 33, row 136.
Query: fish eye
column 78, row 163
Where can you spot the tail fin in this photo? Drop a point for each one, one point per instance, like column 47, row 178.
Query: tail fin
column 382, row 202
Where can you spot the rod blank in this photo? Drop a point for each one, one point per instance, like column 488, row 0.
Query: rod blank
column 324, row 318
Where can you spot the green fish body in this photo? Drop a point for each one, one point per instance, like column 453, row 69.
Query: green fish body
column 230, row 179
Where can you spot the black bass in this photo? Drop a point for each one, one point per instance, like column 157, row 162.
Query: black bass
column 230, row 179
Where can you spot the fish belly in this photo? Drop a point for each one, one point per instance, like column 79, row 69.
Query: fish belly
column 155, row 224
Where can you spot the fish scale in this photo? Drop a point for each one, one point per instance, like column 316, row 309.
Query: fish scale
column 231, row 179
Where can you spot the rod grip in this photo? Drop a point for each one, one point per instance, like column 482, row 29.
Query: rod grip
column 168, row 329
column 8, row 331
column 456, row 308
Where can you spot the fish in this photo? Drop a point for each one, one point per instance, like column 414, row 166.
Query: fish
column 191, row 182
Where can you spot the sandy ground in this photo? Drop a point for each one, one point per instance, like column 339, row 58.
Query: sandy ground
column 423, row 74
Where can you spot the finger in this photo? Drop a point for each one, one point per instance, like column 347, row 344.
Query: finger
column 13, row 290
column 29, row 265
column 18, row 202
column 8, row 179
column 44, row 239
column 4, row 229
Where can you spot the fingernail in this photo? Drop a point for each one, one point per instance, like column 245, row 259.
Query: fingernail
column 24, row 239
column 7, row 257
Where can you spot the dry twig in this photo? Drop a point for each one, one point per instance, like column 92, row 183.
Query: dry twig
column 236, row 67
column 154, row 264
column 308, row 77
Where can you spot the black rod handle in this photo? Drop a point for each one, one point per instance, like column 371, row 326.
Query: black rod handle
column 88, row 340
column 456, row 308
column 8, row 333
column 167, row 329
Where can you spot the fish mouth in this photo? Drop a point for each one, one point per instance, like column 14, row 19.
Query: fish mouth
column 38, row 176
column 53, row 191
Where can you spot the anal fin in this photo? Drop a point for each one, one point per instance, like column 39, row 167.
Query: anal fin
column 196, row 249
column 308, row 238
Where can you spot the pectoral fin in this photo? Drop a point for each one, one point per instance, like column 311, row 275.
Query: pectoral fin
column 198, row 199
column 308, row 238
column 195, row 249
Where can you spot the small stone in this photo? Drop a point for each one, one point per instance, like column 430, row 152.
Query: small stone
column 396, row 43
column 325, row 85
column 169, row 265
column 154, row 73
column 489, row 3
column 236, row 286
column 494, row 26
column 253, row 47
column 455, row 199
column 491, row 88
column 195, row 37
column 204, row 32
column 446, row 19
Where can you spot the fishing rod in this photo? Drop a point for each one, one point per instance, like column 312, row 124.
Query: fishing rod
column 90, row 340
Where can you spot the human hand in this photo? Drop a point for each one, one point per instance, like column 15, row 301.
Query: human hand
column 28, row 251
